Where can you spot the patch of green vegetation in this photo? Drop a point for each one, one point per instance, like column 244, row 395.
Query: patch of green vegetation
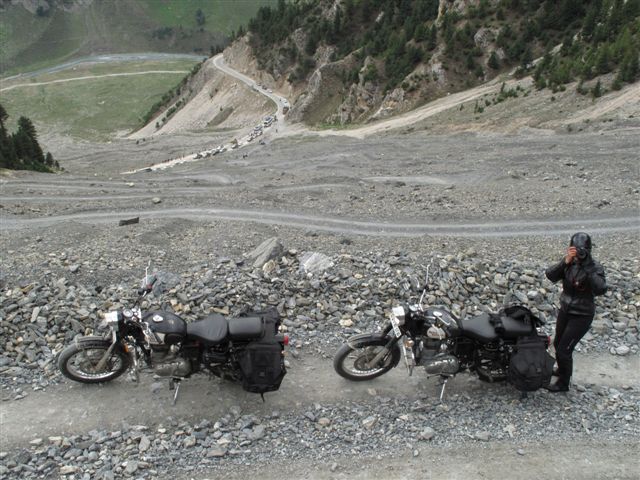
column 21, row 150
column 40, row 41
column 401, row 34
column 30, row 41
column 219, row 16
column 94, row 109
column 97, row 69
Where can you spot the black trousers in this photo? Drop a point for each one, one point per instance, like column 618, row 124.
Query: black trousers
column 569, row 330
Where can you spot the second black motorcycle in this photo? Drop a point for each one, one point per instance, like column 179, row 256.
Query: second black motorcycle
column 504, row 346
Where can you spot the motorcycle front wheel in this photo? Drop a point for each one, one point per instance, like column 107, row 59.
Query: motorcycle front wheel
column 80, row 360
column 352, row 363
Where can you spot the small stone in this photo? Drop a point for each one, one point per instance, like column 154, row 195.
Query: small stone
column 324, row 422
column 346, row 322
column 520, row 451
column 156, row 200
column 68, row 469
column 144, row 444
column 216, row 453
column 482, row 436
column 369, row 422
column 132, row 467
column 622, row 350
column 427, row 434
column 189, row 441
column 36, row 441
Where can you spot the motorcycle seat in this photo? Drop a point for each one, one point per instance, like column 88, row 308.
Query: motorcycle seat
column 211, row 330
column 244, row 328
column 514, row 328
column 479, row 328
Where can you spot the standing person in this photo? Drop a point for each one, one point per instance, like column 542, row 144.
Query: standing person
column 582, row 279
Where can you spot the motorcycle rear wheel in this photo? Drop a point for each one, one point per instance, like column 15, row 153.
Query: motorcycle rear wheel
column 78, row 361
column 350, row 362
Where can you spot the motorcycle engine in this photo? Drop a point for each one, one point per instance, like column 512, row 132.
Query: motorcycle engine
column 442, row 364
column 166, row 363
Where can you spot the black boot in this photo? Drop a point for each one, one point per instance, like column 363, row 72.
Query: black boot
column 558, row 386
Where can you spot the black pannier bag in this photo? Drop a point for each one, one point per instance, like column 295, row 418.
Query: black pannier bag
column 262, row 361
column 531, row 366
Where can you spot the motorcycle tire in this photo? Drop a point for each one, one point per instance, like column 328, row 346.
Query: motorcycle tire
column 77, row 362
column 366, row 351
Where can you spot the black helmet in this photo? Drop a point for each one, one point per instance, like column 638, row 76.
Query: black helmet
column 582, row 242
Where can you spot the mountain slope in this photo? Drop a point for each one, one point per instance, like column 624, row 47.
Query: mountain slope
column 347, row 61
column 44, row 32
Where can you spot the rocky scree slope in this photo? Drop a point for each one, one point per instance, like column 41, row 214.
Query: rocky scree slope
column 321, row 298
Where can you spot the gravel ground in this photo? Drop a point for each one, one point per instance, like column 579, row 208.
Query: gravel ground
column 59, row 276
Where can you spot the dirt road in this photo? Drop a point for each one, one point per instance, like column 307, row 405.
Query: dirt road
column 93, row 77
column 349, row 226
column 75, row 408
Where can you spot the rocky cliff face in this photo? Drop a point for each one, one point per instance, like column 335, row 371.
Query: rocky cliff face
column 327, row 97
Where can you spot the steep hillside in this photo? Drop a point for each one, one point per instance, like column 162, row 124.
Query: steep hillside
column 36, row 33
column 350, row 61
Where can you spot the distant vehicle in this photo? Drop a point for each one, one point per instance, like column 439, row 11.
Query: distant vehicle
column 198, row 155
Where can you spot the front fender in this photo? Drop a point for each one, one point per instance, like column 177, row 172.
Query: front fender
column 92, row 340
column 374, row 338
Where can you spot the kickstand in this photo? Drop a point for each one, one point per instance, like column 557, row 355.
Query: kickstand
column 444, row 384
column 174, row 384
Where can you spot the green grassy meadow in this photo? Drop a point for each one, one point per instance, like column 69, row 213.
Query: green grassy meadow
column 92, row 109
column 221, row 15
column 29, row 42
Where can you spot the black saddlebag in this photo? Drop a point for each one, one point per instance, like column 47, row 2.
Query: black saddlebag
column 262, row 360
column 531, row 366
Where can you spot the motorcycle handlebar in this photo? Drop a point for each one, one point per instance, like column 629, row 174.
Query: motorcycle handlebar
column 148, row 287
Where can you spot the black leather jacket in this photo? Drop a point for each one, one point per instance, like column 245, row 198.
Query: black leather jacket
column 580, row 283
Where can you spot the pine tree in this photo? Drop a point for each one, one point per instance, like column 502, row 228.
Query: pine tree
column 494, row 62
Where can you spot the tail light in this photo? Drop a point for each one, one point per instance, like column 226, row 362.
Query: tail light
column 286, row 340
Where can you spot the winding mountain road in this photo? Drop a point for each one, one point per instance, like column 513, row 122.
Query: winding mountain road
column 345, row 226
column 92, row 77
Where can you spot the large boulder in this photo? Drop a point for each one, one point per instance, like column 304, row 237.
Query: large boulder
column 270, row 249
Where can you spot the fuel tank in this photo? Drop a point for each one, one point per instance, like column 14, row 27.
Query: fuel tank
column 445, row 320
column 167, row 328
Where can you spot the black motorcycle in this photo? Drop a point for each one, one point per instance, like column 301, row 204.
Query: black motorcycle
column 247, row 350
column 507, row 346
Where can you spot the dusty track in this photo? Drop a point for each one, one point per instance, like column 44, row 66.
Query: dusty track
column 93, row 77
column 349, row 226
column 73, row 407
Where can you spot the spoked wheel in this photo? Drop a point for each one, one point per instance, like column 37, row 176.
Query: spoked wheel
column 80, row 361
column 354, row 363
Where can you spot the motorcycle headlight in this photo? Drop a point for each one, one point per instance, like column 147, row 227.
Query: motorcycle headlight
column 398, row 313
column 111, row 320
